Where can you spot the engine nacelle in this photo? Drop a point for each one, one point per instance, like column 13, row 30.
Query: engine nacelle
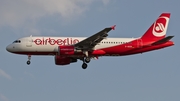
column 64, row 60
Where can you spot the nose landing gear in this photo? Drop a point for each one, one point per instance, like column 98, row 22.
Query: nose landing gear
column 28, row 62
column 29, row 58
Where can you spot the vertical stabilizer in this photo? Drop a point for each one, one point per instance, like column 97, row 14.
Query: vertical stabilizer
column 158, row 29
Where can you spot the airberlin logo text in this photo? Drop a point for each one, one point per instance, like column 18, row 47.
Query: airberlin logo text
column 51, row 41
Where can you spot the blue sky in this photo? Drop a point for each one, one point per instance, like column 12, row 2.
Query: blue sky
column 152, row 76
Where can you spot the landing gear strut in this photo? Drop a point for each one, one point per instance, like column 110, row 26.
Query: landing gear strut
column 29, row 58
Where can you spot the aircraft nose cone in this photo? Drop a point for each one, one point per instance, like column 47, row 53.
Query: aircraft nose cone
column 8, row 48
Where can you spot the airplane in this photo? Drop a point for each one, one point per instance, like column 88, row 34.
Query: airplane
column 68, row 50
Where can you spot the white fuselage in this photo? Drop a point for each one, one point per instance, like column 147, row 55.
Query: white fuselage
column 50, row 44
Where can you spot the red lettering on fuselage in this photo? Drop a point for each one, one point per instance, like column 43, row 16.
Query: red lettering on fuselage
column 51, row 41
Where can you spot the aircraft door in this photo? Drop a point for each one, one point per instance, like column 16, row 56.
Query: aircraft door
column 29, row 42
column 139, row 43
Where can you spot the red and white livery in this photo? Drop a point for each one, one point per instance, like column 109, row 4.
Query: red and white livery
column 68, row 50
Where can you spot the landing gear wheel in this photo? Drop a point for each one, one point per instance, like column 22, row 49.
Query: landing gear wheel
column 87, row 60
column 29, row 58
column 84, row 65
column 28, row 62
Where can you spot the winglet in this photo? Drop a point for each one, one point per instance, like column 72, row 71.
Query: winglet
column 113, row 27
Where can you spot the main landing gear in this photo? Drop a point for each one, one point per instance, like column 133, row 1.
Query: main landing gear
column 29, row 58
column 85, row 61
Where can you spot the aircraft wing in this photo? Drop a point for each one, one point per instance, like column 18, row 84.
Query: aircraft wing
column 90, row 42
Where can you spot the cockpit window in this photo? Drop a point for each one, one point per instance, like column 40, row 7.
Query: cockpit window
column 17, row 41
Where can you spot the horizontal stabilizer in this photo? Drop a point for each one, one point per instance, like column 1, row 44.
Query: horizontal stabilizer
column 164, row 40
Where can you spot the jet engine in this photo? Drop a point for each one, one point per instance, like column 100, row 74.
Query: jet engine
column 64, row 60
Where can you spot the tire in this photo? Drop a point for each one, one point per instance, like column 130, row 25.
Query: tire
column 28, row 62
column 87, row 60
column 84, row 66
